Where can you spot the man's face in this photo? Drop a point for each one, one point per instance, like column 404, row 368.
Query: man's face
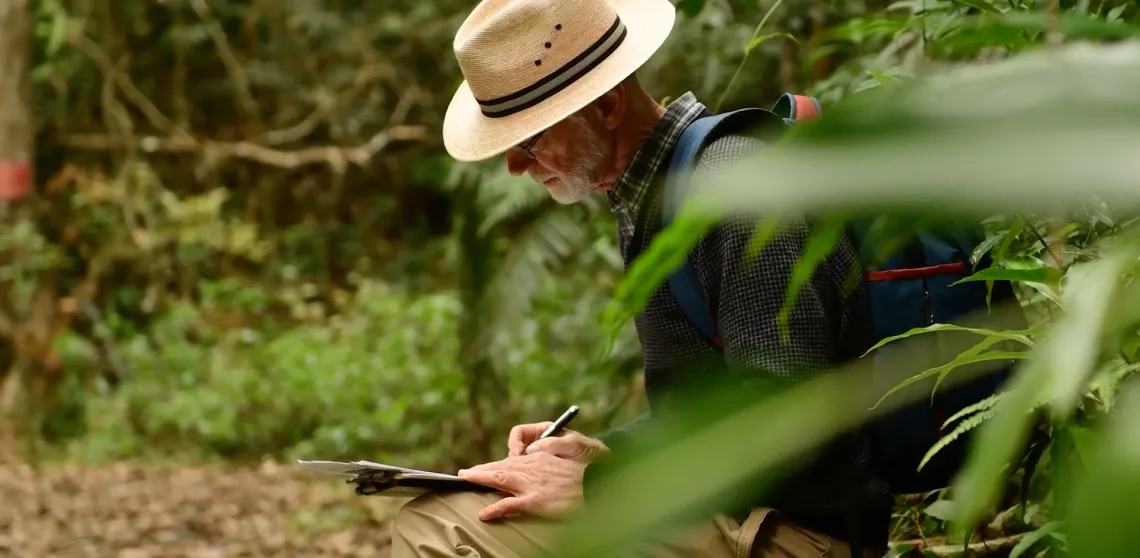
column 569, row 159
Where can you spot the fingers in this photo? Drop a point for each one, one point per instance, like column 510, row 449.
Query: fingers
column 572, row 445
column 492, row 476
column 510, row 505
column 568, row 446
column 523, row 434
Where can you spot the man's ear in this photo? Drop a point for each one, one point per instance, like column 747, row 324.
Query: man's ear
column 611, row 106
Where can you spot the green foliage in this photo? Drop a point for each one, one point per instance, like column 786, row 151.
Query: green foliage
column 240, row 296
column 933, row 146
column 380, row 379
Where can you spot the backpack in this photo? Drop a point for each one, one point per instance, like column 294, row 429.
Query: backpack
column 911, row 289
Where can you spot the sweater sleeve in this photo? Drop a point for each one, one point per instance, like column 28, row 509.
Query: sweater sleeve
column 746, row 293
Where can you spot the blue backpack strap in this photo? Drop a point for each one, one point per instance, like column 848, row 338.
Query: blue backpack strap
column 684, row 282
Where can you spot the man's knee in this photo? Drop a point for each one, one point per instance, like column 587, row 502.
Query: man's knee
column 443, row 507
column 439, row 524
column 447, row 524
column 432, row 515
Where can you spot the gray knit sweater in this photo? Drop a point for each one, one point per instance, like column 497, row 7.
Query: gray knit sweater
column 829, row 324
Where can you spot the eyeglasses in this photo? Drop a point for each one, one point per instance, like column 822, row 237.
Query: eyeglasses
column 527, row 145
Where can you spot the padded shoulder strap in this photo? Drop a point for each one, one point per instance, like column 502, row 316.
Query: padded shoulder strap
column 692, row 141
column 684, row 282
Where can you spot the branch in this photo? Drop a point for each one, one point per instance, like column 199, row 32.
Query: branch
column 980, row 548
column 241, row 80
column 333, row 156
column 152, row 113
column 299, row 130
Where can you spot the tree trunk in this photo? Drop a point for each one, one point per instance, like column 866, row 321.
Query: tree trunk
column 16, row 134
column 16, row 139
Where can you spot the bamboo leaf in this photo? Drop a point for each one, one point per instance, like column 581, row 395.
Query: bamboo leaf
column 691, row 8
column 764, row 38
column 1105, row 502
column 652, row 268
column 1031, row 539
column 765, row 231
column 940, row 509
column 902, row 151
column 885, row 79
column 1018, row 336
column 1038, row 275
column 981, row 5
column 1010, row 236
column 970, row 356
column 819, row 245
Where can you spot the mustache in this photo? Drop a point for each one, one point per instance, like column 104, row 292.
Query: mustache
column 540, row 178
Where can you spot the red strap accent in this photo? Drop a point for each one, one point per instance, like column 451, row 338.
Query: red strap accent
column 805, row 108
column 916, row 272
column 716, row 341
column 14, row 180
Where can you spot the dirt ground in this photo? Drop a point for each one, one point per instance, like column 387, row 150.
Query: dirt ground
column 130, row 511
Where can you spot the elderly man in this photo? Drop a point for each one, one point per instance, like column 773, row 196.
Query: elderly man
column 551, row 84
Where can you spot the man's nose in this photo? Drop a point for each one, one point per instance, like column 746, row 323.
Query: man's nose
column 517, row 163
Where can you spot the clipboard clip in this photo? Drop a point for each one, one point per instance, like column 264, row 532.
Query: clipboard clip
column 372, row 482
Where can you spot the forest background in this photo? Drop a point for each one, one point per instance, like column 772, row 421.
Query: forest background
column 245, row 245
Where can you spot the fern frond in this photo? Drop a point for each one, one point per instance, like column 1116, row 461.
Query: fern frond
column 962, row 428
column 550, row 238
column 502, row 196
column 982, row 405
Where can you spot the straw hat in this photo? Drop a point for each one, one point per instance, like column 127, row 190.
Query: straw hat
column 529, row 63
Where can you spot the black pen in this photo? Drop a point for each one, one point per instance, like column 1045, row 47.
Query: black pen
column 559, row 424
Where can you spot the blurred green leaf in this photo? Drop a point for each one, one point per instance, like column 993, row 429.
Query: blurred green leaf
column 1033, row 538
column 884, row 79
column 959, row 145
column 1115, row 13
column 825, row 235
column 974, row 355
column 981, row 5
column 1019, row 336
column 691, row 8
column 1038, row 275
column 1106, row 499
column 764, row 38
column 763, row 234
column 652, row 268
column 1061, row 362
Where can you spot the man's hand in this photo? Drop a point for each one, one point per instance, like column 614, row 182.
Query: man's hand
column 567, row 444
column 539, row 483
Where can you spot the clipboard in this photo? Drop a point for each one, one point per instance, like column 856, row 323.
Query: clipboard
column 411, row 484
column 378, row 479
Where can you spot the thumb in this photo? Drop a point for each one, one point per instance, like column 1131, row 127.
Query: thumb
column 507, row 506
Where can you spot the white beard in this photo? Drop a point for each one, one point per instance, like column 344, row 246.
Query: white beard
column 573, row 188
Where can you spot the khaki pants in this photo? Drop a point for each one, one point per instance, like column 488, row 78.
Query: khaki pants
column 444, row 525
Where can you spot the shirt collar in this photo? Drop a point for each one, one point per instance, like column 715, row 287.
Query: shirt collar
column 628, row 192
